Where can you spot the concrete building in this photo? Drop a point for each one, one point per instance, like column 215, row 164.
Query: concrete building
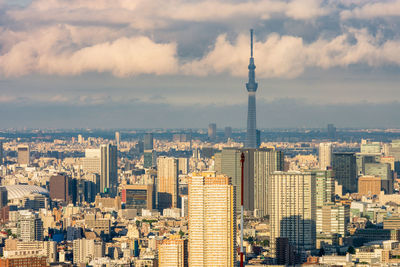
column 333, row 219
column 325, row 187
column 173, row 253
column 30, row 227
column 212, row 221
column 325, row 155
column 59, row 188
column 148, row 141
column 167, row 177
column 84, row 250
column 266, row 161
column 23, row 155
column 137, row 196
column 345, row 169
column 117, row 139
column 109, row 169
column 292, row 203
column 212, row 131
column 369, row 185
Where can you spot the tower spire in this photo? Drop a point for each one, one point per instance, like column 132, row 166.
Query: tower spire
column 251, row 42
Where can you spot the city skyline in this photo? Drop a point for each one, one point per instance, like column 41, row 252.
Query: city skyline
column 312, row 64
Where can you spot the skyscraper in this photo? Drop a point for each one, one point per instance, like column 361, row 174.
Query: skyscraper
column 212, row 221
column 293, row 210
column 23, row 155
column 228, row 132
column 148, row 141
column 345, row 170
column 167, row 177
column 117, row 138
column 251, row 86
column 212, row 131
column 109, row 169
column 266, row 161
column 325, row 155
column 59, row 185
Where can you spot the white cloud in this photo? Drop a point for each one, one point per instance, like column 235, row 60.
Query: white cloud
column 369, row 10
column 289, row 56
column 53, row 51
column 142, row 14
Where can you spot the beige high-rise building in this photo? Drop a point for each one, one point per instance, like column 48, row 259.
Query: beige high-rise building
column 266, row 161
column 23, row 155
column 333, row 219
column 117, row 139
column 292, row 203
column 325, row 155
column 212, row 221
column 173, row 252
column 167, row 180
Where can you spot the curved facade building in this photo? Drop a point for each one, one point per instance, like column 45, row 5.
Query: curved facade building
column 20, row 191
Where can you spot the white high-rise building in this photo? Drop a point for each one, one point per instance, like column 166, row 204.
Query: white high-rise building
column 212, row 221
column 30, row 227
column 173, row 253
column 84, row 250
column 293, row 209
column 325, row 155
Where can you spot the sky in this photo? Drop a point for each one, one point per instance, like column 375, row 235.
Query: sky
column 183, row 63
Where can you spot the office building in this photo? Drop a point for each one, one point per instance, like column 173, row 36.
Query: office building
column 183, row 165
column 1, row 153
column 149, row 159
column 258, row 164
column 84, row 250
column 394, row 151
column 117, row 139
column 212, row 131
column 167, row 182
column 333, row 219
column 228, row 132
column 173, row 252
column 370, row 147
column 23, row 155
column 345, row 170
column 331, row 131
column 30, row 227
column 109, row 169
column 293, row 210
column 212, row 221
column 325, row 155
column 230, row 166
column 251, row 86
column 266, row 161
column 362, row 159
column 3, row 197
column 369, row 186
column 148, row 141
column 138, row 196
column 325, row 187
column 91, row 163
column 59, row 188
column 382, row 170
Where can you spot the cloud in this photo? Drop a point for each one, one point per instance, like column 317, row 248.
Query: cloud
column 142, row 14
column 52, row 50
column 289, row 56
column 369, row 10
